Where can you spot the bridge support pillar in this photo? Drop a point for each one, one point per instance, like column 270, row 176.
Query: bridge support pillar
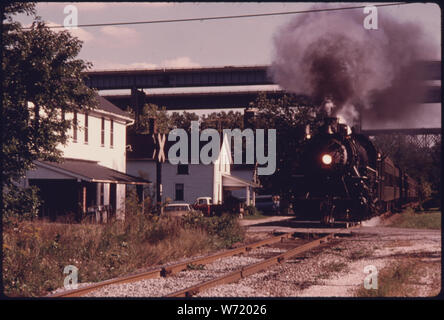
column 137, row 103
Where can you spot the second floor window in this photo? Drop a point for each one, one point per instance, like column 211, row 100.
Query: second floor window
column 86, row 128
column 102, row 140
column 182, row 169
column 112, row 133
column 74, row 127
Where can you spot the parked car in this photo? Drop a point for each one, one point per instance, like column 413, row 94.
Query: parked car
column 177, row 209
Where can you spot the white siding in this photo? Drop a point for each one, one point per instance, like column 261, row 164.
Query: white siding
column 106, row 156
column 197, row 183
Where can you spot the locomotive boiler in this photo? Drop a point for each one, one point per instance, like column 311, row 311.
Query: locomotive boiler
column 342, row 176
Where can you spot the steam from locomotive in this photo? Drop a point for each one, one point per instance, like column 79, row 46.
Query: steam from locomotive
column 330, row 55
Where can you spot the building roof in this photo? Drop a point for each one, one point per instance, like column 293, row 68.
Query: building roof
column 107, row 106
column 235, row 182
column 91, row 171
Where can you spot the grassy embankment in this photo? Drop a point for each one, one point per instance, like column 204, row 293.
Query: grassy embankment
column 404, row 277
column 36, row 253
column 417, row 220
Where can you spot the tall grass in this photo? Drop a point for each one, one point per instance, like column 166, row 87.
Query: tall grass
column 418, row 220
column 35, row 253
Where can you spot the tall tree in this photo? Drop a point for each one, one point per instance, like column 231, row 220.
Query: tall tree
column 41, row 80
column 183, row 119
column 422, row 163
column 222, row 120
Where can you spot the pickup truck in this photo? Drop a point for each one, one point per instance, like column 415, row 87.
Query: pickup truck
column 206, row 206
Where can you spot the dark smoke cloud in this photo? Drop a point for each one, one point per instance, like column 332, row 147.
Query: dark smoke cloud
column 330, row 55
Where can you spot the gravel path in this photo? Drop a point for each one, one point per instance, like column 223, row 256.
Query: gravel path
column 163, row 286
column 337, row 269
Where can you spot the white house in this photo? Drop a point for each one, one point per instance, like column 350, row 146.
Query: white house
column 92, row 177
column 186, row 182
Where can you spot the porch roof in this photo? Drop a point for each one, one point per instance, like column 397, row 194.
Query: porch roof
column 90, row 171
column 236, row 182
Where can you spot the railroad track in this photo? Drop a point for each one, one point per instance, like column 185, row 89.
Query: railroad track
column 297, row 246
column 250, row 269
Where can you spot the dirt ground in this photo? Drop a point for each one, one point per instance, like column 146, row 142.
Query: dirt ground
column 407, row 264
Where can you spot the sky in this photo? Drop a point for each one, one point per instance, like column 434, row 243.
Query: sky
column 234, row 42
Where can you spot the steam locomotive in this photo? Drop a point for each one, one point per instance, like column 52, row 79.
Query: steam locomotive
column 344, row 177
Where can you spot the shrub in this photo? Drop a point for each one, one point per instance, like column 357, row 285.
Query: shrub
column 252, row 211
column 35, row 253
column 20, row 203
column 225, row 229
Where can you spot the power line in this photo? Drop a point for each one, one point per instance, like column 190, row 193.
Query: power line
column 227, row 17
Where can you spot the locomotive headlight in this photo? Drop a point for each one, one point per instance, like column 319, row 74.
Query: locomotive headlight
column 326, row 159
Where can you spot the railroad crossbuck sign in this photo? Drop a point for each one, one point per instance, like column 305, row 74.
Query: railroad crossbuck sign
column 159, row 150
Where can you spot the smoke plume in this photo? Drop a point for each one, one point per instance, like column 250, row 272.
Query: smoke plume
column 331, row 56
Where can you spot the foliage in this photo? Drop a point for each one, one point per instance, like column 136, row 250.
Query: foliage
column 132, row 204
column 222, row 120
column 252, row 211
column 35, row 253
column 20, row 203
column 41, row 80
column 153, row 111
column 416, row 220
column 225, row 228
column 182, row 120
column 423, row 164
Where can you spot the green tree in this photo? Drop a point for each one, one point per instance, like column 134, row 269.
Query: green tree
column 183, row 119
column 41, row 80
column 422, row 163
column 222, row 120
column 150, row 110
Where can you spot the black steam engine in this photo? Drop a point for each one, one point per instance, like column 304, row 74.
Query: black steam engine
column 343, row 177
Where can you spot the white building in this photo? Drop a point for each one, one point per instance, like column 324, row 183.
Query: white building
column 186, row 182
column 92, row 177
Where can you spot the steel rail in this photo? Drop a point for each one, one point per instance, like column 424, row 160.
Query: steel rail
column 249, row 270
column 169, row 270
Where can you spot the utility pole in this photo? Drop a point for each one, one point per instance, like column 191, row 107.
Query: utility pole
column 159, row 156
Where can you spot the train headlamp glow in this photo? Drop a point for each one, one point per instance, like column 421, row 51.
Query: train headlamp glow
column 326, row 159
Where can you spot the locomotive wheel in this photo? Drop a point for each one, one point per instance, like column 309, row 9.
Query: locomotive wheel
column 327, row 213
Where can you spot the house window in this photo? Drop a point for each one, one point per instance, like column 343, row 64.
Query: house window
column 86, row 128
column 74, row 126
column 179, row 192
column 102, row 140
column 112, row 133
column 182, row 169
